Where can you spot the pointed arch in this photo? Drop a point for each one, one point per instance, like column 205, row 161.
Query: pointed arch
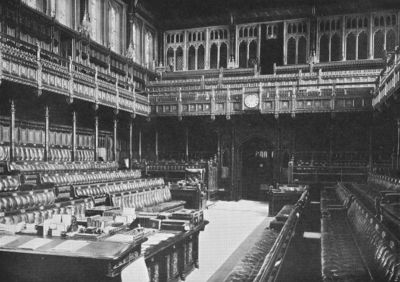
column 291, row 51
column 336, row 48
column 390, row 40
column 200, row 57
column 350, row 47
column 213, row 56
column 302, row 51
column 223, row 56
column 363, row 46
column 243, row 54
column 179, row 58
column 324, row 48
column 379, row 40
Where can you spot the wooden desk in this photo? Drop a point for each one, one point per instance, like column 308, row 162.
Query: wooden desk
column 30, row 258
column 173, row 258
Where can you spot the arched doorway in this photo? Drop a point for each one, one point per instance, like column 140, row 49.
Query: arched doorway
column 256, row 157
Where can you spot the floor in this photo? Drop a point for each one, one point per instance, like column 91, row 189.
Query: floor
column 230, row 224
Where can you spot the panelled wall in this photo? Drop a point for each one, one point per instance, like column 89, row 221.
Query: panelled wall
column 305, row 40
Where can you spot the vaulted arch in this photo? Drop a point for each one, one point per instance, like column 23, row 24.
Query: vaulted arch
column 336, row 48
column 291, row 51
column 324, row 48
column 223, row 56
column 351, row 47
column 200, row 57
column 379, row 44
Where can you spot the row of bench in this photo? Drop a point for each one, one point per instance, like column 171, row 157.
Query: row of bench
column 355, row 245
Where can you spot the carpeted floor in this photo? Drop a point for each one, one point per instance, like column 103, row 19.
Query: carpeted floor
column 233, row 228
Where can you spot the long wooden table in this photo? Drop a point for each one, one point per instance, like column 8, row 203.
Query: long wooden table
column 30, row 258
column 169, row 256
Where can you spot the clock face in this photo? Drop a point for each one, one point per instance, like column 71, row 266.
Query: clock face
column 251, row 101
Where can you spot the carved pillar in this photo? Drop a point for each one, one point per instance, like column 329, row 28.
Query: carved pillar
column 185, row 51
column 96, row 136
column 207, row 50
column 284, row 43
column 115, row 138
column 46, row 133
column 12, row 131
column 237, row 46
column 343, row 38
column 130, row 141
column 371, row 37
column 259, row 44
column 195, row 58
column 174, row 59
column 218, row 54
column 247, row 54
column 74, row 156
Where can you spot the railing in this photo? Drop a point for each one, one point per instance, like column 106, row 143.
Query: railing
column 388, row 80
column 27, row 64
column 274, row 260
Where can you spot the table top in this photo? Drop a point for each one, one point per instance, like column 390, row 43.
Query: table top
column 102, row 250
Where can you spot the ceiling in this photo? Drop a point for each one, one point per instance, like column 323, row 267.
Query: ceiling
column 192, row 13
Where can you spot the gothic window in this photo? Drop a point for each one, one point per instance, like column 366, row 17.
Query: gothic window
column 168, row 38
column 200, row 57
column 243, row 55
column 192, row 58
column 379, row 44
column 149, row 50
column 390, row 40
column 213, row 56
column 363, row 46
column 336, row 48
column 324, row 48
column 225, row 34
column 170, row 59
column 302, row 51
column 245, row 32
column 114, row 27
column 137, row 41
column 291, row 51
column 351, row 47
column 241, row 32
column 223, row 55
column 64, row 12
column 252, row 52
column 179, row 58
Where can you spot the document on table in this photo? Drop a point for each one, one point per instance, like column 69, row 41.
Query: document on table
column 120, row 238
column 35, row 243
column 70, row 246
column 7, row 239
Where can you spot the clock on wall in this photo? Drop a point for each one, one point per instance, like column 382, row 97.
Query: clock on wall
column 251, row 101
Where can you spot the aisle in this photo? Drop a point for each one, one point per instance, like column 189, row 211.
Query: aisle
column 230, row 224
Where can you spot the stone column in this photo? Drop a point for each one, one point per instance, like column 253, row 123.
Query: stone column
column 96, row 136
column 74, row 145
column 12, row 131
column 207, row 50
column 115, row 138
column 46, row 133
column 130, row 141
